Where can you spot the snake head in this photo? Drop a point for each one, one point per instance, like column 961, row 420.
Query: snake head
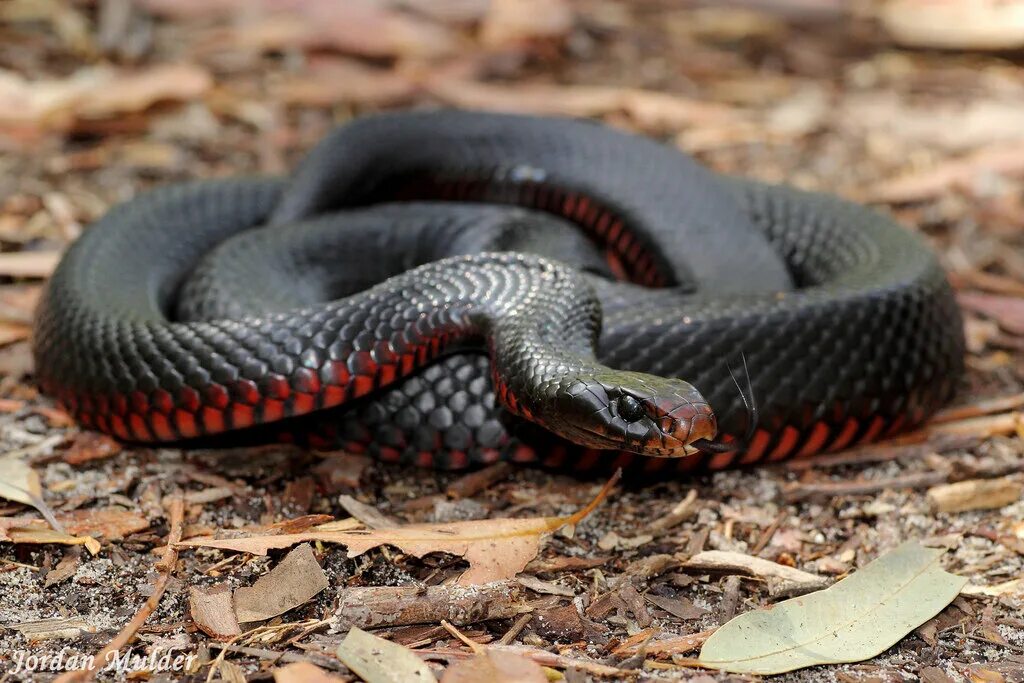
column 636, row 412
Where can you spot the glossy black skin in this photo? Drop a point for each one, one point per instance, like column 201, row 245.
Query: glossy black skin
column 846, row 320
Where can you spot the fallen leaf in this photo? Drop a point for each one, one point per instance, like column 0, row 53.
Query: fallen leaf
column 295, row 580
column 37, row 264
column 90, row 446
column 340, row 81
column 1008, row 311
column 780, row 578
column 681, row 609
column 360, row 27
column 495, row 666
column 368, row 515
column 94, row 92
column 212, row 611
column 138, row 90
column 376, row 660
column 303, row 672
column 921, row 185
column 20, row 483
column 975, row 494
column 853, row 620
column 110, row 523
column 1011, row 587
column 667, row 647
column 43, row 536
column 513, row 22
column 50, row 629
column 956, row 24
column 496, row 549
column 649, row 110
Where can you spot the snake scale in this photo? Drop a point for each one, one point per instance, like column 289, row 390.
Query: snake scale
column 450, row 288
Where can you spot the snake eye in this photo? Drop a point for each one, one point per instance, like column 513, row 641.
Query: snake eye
column 629, row 408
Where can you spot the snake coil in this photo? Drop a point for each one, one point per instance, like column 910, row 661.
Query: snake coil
column 423, row 276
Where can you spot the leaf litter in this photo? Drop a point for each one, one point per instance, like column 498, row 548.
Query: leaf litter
column 853, row 620
column 495, row 548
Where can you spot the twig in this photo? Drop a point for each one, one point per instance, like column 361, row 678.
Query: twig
column 515, row 629
column 831, row 489
column 766, row 537
column 472, row 644
column 165, row 567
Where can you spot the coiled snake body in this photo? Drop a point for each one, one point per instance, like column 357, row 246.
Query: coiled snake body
column 390, row 293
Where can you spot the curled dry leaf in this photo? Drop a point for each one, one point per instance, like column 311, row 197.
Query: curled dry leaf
column 512, row 22
column 360, row 27
column 855, row 619
column 495, row 666
column 376, row 660
column 95, row 92
column 212, row 611
column 20, row 483
column 295, row 580
column 1008, row 311
column 955, row 24
column 496, row 549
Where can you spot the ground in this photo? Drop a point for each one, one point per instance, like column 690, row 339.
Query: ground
column 99, row 101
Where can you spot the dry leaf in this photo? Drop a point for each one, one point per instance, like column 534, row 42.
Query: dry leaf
column 853, row 620
column 376, row 660
column 921, row 185
column 90, row 446
column 49, row 629
column 1008, row 311
column 780, row 578
column 43, row 536
column 975, row 494
column 339, row 81
column 512, row 22
column 294, row 581
column 495, row 666
column 1011, row 587
column 956, row 24
column 94, row 92
column 368, row 515
column 649, row 110
column 28, row 263
column 304, row 672
column 137, row 90
column 20, row 483
column 361, row 27
column 496, row 549
column 212, row 611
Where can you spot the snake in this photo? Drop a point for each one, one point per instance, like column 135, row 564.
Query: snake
column 452, row 288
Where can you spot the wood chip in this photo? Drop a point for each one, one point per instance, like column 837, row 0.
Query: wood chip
column 295, row 580
column 679, row 608
column 213, row 612
column 304, row 672
column 975, row 494
column 368, row 515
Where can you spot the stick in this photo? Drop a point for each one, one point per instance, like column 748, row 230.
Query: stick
column 165, row 567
